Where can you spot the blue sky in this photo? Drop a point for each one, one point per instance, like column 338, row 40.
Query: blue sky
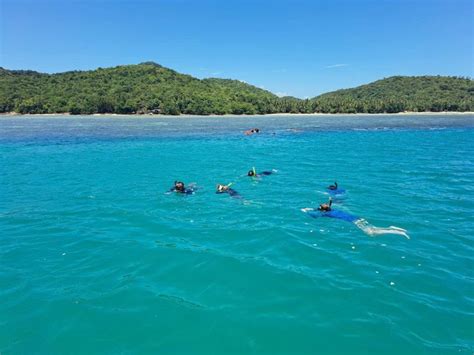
column 300, row 48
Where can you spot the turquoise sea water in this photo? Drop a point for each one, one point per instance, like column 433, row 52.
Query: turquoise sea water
column 95, row 258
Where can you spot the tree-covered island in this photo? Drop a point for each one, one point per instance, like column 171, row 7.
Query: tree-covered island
column 151, row 88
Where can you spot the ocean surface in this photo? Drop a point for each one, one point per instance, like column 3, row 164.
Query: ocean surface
column 96, row 258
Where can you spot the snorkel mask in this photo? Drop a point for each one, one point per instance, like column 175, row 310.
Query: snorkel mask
column 179, row 186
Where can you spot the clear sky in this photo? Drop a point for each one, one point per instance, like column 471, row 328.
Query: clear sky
column 300, row 48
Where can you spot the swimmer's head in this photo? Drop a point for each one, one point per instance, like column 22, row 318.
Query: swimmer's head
column 324, row 207
column 179, row 186
column 221, row 188
column 251, row 173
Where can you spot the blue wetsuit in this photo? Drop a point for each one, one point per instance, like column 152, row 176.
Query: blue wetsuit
column 337, row 191
column 334, row 214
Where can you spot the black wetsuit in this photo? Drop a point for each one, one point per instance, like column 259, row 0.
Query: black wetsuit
column 186, row 191
column 231, row 192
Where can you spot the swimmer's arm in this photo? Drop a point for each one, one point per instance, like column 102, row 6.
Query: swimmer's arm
column 233, row 193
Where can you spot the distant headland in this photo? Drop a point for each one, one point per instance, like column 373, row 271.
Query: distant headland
column 149, row 88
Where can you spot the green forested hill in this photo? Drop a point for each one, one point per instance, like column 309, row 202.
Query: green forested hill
column 402, row 93
column 151, row 88
column 146, row 87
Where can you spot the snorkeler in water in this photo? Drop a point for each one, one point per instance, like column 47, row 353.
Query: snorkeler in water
column 253, row 173
column 325, row 207
column 180, row 188
column 335, row 190
column 222, row 189
column 325, row 210
column 249, row 132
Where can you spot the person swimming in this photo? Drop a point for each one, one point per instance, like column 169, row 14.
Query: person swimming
column 222, row 189
column 335, row 190
column 253, row 173
column 249, row 132
column 180, row 188
column 325, row 210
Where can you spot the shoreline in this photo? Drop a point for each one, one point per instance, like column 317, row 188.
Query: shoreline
column 316, row 114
